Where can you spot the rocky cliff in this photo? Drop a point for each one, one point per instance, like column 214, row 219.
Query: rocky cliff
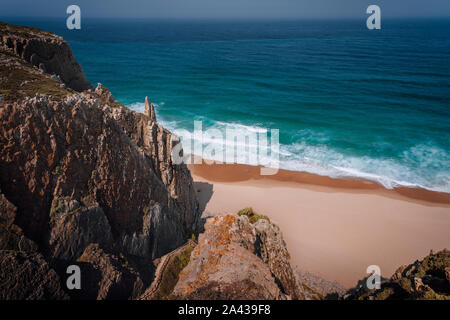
column 85, row 181
column 235, row 259
column 80, row 168
column 46, row 51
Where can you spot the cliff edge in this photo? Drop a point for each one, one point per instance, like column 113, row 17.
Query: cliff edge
column 46, row 51
column 236, row 259
column 79, row 168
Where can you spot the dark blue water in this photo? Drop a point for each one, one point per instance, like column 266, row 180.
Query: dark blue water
column 347, row 101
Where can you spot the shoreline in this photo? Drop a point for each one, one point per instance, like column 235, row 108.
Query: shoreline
column 333, row 228
column 228, row 173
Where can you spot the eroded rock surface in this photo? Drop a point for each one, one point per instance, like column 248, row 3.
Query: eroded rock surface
column 79, row 168
column 107, row 276
column 25, row 276
column 237, row 260
column 270, row 246
column 46, row 51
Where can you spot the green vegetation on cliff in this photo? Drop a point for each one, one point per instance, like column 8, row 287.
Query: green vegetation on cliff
column 428, row 279
column 17, row 82
column 171, row 273
column 253, row 217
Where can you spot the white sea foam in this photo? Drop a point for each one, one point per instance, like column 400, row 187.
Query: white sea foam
column 423, row 166
column 137, row 106
column 388, row 172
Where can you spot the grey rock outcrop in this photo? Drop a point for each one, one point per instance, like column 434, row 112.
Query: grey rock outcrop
column 270, row 246
column 237, row 260
column 74, row 227
column 106, row 276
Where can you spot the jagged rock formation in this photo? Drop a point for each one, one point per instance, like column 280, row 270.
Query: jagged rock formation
column 71, row 157
column 149, row 109
column 237, row 260
column 24, row 273
column 80, row 168
column 74, row 227
column 86, row 181
column 45, row 51
column 11, row 236
column 270, row 246
column 106, row 276
column 422, row 280
column 28, row 277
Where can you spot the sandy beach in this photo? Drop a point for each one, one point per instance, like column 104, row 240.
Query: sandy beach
column 334, row 228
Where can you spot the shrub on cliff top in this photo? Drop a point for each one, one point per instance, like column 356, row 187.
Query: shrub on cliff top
column 252, row 216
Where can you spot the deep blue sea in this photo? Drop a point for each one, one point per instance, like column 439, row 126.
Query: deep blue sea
column 347, row 101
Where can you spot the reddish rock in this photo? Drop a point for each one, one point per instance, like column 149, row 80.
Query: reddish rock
column 46, row 51
column 73, row 149
column 237, row 260
column 80, row 168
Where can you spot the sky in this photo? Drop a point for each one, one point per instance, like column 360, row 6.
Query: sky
column 226, row 9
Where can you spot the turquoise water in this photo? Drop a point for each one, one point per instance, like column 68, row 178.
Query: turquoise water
column 347, row 101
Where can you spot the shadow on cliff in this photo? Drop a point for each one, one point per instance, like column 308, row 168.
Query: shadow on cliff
column 361, row 287
column 204, row 193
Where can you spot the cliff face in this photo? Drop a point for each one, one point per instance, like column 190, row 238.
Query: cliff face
column 86, row 181
column 235, row 259
column 45, row 51
column 24, row 273
column 80, row 168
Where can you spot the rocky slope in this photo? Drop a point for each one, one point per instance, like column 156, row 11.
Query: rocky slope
column 427, row 279
column 80, row 168
column 235, row 259
column 318, row 288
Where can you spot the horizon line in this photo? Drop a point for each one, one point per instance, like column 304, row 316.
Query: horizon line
column 228, row 18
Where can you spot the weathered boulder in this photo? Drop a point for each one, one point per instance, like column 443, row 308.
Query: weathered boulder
column 236, row 260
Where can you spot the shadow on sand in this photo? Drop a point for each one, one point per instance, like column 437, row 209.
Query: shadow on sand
column 204, row 193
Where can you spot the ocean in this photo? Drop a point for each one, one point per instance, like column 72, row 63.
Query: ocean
column 348, row 101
